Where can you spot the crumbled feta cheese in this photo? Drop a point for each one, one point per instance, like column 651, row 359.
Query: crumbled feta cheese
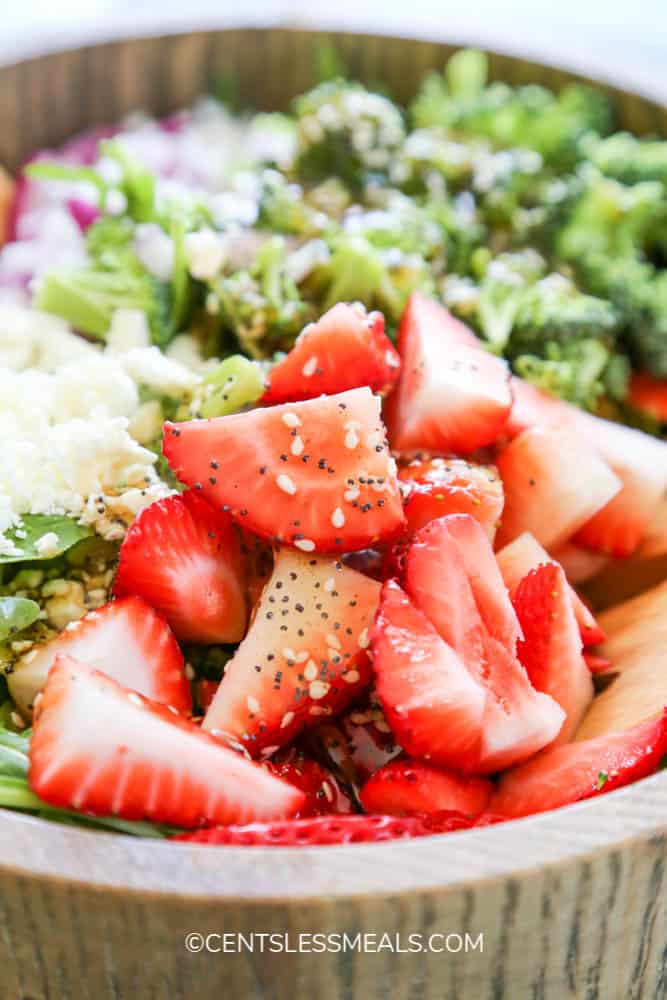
column 149, row 366
column 128, row 329
column 31, row 339
column 206, row 254
column 47, row 545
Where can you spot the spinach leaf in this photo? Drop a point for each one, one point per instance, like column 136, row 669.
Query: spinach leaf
column 68, row 532
column 16, row 613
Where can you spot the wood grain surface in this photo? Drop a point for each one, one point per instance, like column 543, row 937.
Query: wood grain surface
column 571, row 904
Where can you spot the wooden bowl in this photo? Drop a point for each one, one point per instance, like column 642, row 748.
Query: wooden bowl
column 565, row 904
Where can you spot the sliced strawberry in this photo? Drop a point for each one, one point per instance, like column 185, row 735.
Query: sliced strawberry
column 553, row 485
column 453, row 578
column 525, row 553
column 406, row 788
column 304, row 655
column 183, row 557
column 433, row 705
column 316, row 474
column 433, row 486
column 125, row 639
column 551, row 649
column 452, row 395
column 322, row 830
column 345, row 349
column 648, row 395
column 257, row 556
column 637, row 459
column 565, row 774
column 103, row 749
column 324, row 795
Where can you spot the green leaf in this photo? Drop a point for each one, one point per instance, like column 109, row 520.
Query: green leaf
column 68, row 532
column 16, row 613
column 603, row 778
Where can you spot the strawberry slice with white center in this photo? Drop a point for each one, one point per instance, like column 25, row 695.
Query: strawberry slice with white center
column 316, row 474
column 125, row 639
column 561, row 775
column 553, row 485
column 408, row 788
column 517, row 559
column 637, row 459
column 184, row 558
column 345, row 349
column 551, row 648
column 432, row 703
column 452, row 577
column 452, row 395
column 304, row 656
column 103, row 749
column 433, row 486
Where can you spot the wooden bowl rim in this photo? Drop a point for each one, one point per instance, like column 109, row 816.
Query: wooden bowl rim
column 37, row 849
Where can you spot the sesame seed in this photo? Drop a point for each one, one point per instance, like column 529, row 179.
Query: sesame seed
column 363, row 639
column 305, row 544
column 253, row 704
column 286, row 484
column 302, row 656
column 351, row 495
column 289, row 654
column 333, row 640
column 338, row 518
column 330, row 585
column 297, row 446
column 287, row 720
column 326, row 788
column 310, row 367
column 318, row 689
column 351, row 677
column 310, row 671
column 291, row 420
column 351, row 439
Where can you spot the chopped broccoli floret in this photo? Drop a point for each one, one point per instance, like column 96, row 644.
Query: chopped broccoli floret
column 581, row 372
column 261, row 305
column 530, row 116
column 283, row 208
column 629, row 159
column 345, row 130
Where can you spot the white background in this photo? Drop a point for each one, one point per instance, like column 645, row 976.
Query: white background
column 623, row 38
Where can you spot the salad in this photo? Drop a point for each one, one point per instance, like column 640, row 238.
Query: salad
column 313, row 427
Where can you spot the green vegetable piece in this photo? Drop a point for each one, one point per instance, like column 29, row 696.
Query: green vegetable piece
column 466, row 73
column 138, row 184
column 603, row 778
column 16, row 613
column 67, row 531
column 235, row 383
column 47, row 170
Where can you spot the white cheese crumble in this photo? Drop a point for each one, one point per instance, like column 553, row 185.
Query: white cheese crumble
column 206, row 254
column 47, row 545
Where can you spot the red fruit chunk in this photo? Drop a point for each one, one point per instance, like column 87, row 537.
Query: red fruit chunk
column 345, row 349
column 452, row 395
column 433, row 705
column 434, row 486
column 103, row 749
column 304, row 655
column 316, row 474
column 553, row 485
column 525, row 553
column 126, row 640
column 452, row 576
column 408, row 788
column 551, row 649
column 183, row 557
column 648, row 395
column 638, row 460
column 561, row 775
column 323, row 793
column 322, row 830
